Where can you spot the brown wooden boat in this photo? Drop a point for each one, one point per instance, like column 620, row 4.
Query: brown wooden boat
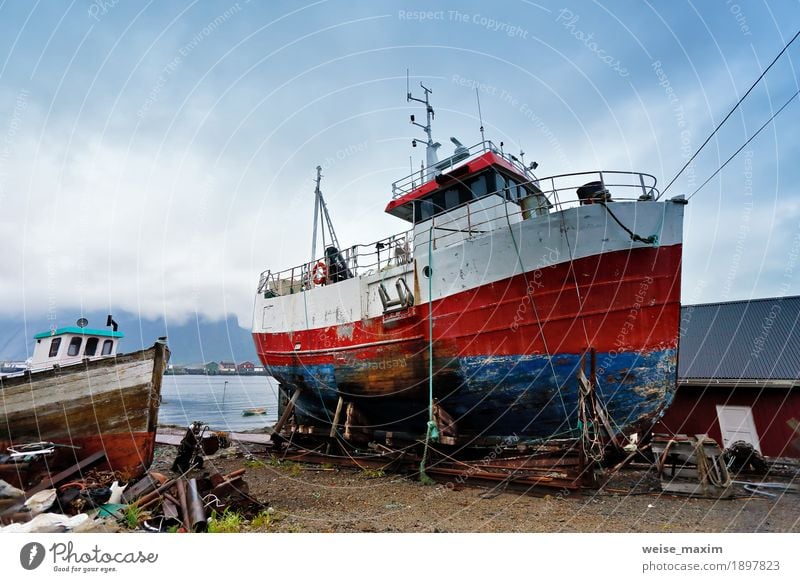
column 108, row 403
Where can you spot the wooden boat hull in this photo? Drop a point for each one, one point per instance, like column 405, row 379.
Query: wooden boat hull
column 109, row 405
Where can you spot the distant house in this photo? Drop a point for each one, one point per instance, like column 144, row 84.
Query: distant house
column 212, row 368
column 259, row 370
column 246, row 368
column 227, row 368
column 739, row 374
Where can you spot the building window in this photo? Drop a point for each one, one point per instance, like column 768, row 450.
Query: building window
column 107, row 345
column 91, row 347
column 55, row 343
column 74, row 346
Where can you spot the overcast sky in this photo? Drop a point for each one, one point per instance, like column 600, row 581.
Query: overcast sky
column 157, row 156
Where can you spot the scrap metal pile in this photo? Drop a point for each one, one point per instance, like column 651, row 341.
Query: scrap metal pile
column 85, row 497
column 159, row 504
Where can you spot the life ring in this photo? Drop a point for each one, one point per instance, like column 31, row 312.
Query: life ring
column 320, row 273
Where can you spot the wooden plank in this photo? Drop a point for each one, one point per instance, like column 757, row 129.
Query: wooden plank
column 168, row 436
column 681, row 487
column 142, row 486
column 168, row 439
column 696, row 489
column 66, row 473
column 336, row 416
column 287, row 411
column 160, row 359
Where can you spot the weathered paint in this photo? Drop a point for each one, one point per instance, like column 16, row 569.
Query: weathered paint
column 508, row 329
column 530, row 396
column 110, row 404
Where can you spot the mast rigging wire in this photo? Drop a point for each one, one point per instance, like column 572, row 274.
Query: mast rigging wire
column 716, row 129
column 760, row 129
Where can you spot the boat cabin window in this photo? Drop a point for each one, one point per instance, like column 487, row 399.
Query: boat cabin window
column 74, row 346
column 55, row 343
column 107, row 345
column 91, row 347
column 512, row 188
column 454, row 196
column 479, row 185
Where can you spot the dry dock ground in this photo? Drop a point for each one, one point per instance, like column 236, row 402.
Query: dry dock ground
column 313, row 498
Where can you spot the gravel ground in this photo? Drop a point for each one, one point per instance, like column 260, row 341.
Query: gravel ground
column 312, row 498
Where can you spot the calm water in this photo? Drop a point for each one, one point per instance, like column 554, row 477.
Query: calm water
column 189, row 398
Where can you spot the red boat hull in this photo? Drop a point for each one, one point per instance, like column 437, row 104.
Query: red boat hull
column 510, row 343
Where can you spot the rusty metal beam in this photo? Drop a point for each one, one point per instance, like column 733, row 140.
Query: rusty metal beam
column 184, row 505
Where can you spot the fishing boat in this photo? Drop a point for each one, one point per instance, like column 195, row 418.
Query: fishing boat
column 476, row 318
column 80, row 396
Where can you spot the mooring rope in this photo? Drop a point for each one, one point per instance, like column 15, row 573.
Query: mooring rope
column 649, row 240
column 432, row 433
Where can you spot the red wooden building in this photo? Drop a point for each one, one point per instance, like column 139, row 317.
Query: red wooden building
column 246, row 368
column 739, row 374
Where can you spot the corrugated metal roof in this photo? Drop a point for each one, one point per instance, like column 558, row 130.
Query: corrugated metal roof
column 745, row 340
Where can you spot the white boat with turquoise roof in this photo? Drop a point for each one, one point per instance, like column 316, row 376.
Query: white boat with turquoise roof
column 80, row 392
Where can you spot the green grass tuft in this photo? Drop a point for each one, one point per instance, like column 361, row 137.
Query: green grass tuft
column 132, row 516
column 265, row 520
column 373, row 473
column 228, row 522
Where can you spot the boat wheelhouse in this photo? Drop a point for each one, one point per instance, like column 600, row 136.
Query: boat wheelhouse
column 69, row 345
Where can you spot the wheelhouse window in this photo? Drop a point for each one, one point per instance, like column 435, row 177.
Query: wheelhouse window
column 91, row 347
column 454, row 196
column 74, row 346
column 479, row 185
column 511, row 188
column 55, row 343
column 107, row 345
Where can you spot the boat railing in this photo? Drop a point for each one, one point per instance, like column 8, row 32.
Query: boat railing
column 419, row 177
column 392, row 251
column 553, row 194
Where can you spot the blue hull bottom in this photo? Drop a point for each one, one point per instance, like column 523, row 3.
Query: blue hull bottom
column 494, row 396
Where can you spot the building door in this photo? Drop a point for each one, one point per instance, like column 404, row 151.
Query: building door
column 736, row 424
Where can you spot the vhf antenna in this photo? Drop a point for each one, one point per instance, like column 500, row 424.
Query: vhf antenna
column 431, row 147
column 480, row 116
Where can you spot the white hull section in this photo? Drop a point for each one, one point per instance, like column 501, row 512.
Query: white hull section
column 462, row 262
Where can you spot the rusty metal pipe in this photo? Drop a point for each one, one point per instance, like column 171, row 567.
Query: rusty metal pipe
column 169, row 509
column 231, row 476
column 153, row 495
column 197, row 512
column 181, row 487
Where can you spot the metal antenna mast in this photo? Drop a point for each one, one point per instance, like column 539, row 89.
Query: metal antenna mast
column 430, row 150
column 480, row 115
column 325, row 220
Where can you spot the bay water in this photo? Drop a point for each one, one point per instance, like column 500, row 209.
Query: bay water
column 218, row 401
